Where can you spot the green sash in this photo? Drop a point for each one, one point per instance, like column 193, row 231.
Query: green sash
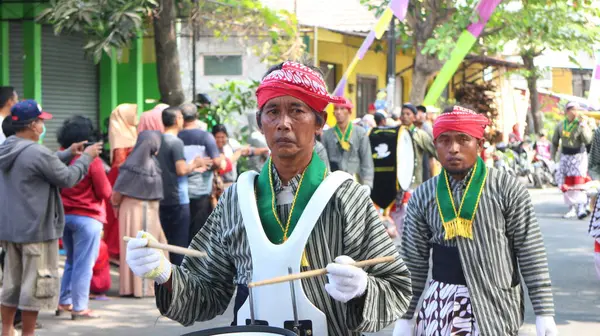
column 344, row 139
column 276, row 230
column 568, row 127
column 460, row 223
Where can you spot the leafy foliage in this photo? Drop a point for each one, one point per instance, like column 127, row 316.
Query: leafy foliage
column 106, row 23
column 275, row 31
column 235, row 99
column 114, row 23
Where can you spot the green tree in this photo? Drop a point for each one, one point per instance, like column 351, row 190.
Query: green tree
column 113, row 24
column 542, row 25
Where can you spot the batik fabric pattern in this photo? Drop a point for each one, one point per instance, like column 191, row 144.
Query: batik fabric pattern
column 446, row 311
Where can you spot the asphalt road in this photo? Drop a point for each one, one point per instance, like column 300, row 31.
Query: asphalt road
column 570, row 250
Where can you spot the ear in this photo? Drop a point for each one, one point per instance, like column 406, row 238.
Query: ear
column 480, row 143
column 259, row 122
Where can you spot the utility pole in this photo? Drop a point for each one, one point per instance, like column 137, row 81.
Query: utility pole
column 391, row 66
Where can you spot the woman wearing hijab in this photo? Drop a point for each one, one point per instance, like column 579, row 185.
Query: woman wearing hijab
column 136, row 197
column 122, row 134
column 152, row 120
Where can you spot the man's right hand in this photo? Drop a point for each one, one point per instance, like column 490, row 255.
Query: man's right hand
column 403, row 328
column 147, row 262
column 94, row 150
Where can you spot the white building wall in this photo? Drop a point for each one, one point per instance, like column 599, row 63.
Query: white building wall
column 252, row 67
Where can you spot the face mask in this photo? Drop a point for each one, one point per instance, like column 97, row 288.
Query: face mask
column 42, row 135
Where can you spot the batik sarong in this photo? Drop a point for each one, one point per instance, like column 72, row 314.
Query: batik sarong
column 446, row 311
column 571, row 177
column 594, row 232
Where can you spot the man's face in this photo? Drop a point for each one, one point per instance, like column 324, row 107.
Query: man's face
column 407, row 117
column 421, row 117
column 572, row 113
column 221, row 139
column 289, row 126
column 179, row 120
column 457, row 152
column 13, row 100
column 342, row 115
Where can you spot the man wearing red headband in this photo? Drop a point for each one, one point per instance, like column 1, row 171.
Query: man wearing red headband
column 482, row 228
column 347, row 146
column 572, row 136
column 293, row 216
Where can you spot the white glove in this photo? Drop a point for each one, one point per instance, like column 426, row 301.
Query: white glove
column 146, row 262
column 403, row 328
column 346, row 282
column 545, row 326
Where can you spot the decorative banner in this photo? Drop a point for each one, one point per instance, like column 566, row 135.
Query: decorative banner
column 464, row 44
column 396, row 8
column 594, row 93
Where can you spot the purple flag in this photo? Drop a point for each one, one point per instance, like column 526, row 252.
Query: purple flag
column 364, row 47
column 484, row 12
column 597, row 76
column 339, row 89
column 399, row 8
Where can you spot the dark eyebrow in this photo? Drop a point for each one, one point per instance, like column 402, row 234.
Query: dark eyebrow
column 296, row 104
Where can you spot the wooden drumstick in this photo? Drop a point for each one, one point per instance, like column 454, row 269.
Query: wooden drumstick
column 172, row 248
column 317, row 272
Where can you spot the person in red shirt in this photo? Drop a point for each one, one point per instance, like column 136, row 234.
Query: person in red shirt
column 85, row 214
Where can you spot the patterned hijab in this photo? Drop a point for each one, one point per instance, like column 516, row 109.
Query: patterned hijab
column 140, row 175
column 122, row 131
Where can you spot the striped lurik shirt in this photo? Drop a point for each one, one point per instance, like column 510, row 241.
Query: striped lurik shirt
column 349, row 225
column 507, row 238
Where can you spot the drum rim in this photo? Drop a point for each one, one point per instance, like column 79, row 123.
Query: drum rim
column 239, row 329
column 401, row 132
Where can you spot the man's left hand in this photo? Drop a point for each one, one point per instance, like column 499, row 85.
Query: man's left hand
column 77, row 148
column 346, row 282
column 545, row 326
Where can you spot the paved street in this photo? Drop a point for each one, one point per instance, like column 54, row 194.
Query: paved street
column 576, row 288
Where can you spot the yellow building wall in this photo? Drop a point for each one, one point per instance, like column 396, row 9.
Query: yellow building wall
column 340, row 49
column 562, row 81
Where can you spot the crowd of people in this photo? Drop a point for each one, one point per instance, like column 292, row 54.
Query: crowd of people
column 170, row 180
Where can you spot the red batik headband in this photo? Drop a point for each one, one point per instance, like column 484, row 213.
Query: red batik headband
column 346, row 104
column 298, row 81
column 461, row 120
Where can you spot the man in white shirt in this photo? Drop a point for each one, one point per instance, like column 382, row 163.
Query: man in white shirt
column 8, row 98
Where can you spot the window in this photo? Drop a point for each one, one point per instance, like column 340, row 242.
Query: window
column 581, row 82
column 225, row 65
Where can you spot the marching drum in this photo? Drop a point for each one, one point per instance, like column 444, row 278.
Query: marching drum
column 405, row 159
column 393, row 161
column 252, row 330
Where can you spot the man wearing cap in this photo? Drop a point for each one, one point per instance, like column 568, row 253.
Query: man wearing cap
column 265, row 223
column 482, row 227
column 32, row 215
column 572, row 136
column 348, row 146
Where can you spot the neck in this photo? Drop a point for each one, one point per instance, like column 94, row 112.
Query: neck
column 343, row 125
column 190, row 125
column 287, row 168
column 27, row 136
column 4, row 112
column 172, row 130
column 458, row 176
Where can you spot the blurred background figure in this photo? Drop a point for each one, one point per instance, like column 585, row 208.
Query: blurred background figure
column 122, row 134
column 85, row 215
column 135, row 198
